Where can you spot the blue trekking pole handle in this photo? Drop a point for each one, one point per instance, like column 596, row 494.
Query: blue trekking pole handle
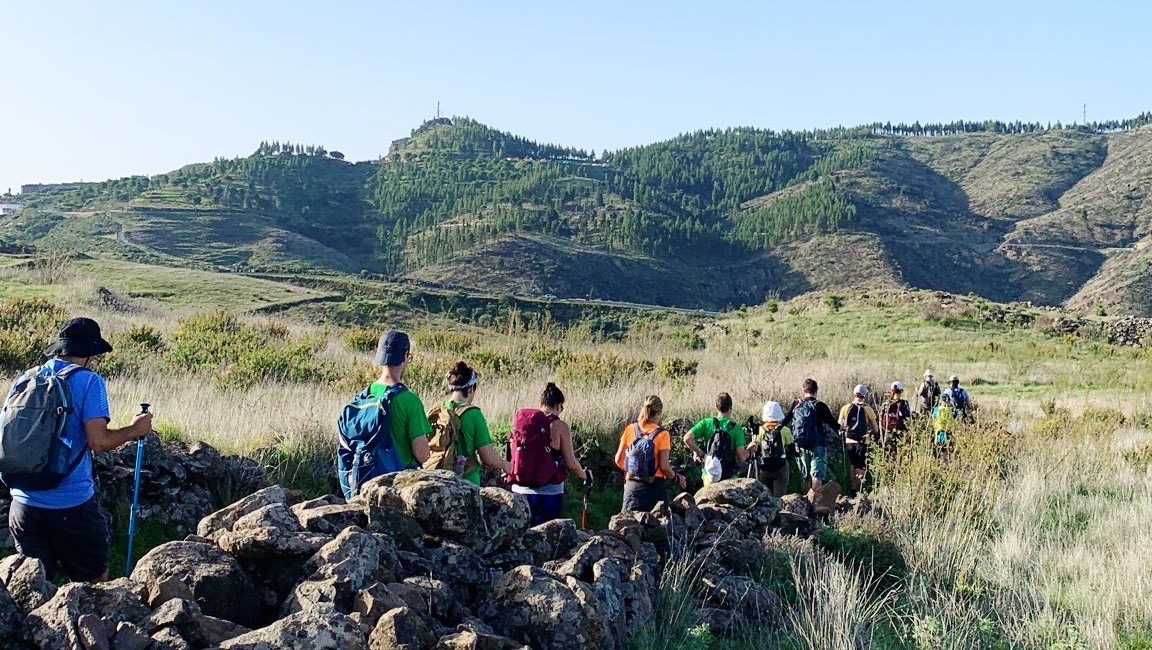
column 135, row 498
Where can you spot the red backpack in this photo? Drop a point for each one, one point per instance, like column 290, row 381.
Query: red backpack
column 534, row 462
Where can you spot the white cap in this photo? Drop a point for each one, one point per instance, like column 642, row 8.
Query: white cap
column 860, row 390
column 772, row 412
column 927, row 373
column 954, row 378
column 898, row 387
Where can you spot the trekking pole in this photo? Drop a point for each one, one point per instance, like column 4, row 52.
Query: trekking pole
column 587, row 489
column 135, row 497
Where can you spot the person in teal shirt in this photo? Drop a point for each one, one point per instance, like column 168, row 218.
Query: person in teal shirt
column 410, row 427
column 474, row 441
column 698, row 438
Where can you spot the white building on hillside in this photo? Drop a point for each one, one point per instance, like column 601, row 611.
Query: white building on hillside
column 9, row 208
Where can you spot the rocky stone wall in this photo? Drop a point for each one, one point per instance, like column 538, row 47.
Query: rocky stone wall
column 419, row 560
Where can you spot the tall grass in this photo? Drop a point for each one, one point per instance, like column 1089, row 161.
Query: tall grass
column 1033, row 534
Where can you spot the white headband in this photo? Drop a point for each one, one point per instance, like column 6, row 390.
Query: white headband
column 471, row 382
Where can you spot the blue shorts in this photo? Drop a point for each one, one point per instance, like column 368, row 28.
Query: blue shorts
column 545, row 507
column 814, row 463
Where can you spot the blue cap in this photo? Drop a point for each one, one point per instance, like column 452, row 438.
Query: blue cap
column 392, row 349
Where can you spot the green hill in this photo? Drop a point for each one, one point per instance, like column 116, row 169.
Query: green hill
column 709, row 219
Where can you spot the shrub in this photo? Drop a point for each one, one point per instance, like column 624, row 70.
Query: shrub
column 491, row 362
column 865, row 549
column 833, row 301
column 441, row 341
column 361, row 339
column 132, row 350
column 601, row 369
column 243, row 355
column 676, row 368
column 687, row 339
column 27, row 327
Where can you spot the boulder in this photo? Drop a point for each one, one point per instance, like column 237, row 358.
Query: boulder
column 505, row 518
column 73, row 616
column 432, row 597
column 200, row 573
column 372, row 603
column 467, row 639
column 398, row 525
column 316, row 628
column 341, row 568
column 170, row 639
column 744, row 493
column 332, row 518
column 223, row 520
column 270, row 531
column 441, row 502
column 11, row 620
column 548, row 612
column 130, row 637
column 741, row 602
column 552, row 540
column 401, row 629
column 26, row 581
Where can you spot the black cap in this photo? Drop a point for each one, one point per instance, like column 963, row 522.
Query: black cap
column 392, row 349
column 80, row 337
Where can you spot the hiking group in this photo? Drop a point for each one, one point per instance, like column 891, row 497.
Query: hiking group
column 56, row 414
column 385, row 429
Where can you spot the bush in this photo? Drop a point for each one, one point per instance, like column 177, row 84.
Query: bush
column 361, row 339
column 455, row 342
column 676, row 368
column 243, row 355
column 491, row 362
column 132, row 350
column 601, row 369
column 27, row 327
column 833, row 301
column 865, row 549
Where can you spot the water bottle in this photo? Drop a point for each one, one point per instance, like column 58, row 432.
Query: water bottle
column 461, row 461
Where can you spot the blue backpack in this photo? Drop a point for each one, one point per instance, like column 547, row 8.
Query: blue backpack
column 366, row 446
column 34, row 454
column 640, row 457
column 804, row 425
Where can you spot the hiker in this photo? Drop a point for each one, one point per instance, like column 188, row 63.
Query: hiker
column 723, row 442
column 894, row 422
column 811, row 422
column 546, row 495
column 859, row 423
column 57, row 519
column 473, row 440
column 929, row 393
column 383, row 429
column 957, row 398
column 644, row 455
column 773, row 447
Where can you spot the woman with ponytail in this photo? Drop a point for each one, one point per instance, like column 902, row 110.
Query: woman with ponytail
column 644, row 454
column 547, row 501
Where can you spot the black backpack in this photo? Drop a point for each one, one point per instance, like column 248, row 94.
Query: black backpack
column 773, row 455
column 720, row 446
column 804, row 425
column 856, row 424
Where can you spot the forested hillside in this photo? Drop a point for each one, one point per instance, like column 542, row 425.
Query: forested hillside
column 708, row 219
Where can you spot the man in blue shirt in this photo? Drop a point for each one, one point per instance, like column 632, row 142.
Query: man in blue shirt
column 64, row 527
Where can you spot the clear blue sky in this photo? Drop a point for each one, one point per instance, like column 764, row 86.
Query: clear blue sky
column 102, row 90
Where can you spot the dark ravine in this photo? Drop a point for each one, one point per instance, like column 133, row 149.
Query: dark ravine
column 419, row 560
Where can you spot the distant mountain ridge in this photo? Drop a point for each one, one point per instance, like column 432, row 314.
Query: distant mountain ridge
column 716, row 218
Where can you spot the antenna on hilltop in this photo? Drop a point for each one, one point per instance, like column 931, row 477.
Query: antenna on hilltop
column 437, row 110
column 1085, row 113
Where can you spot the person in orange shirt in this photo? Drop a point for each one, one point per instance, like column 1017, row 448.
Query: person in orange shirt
column 644, row 455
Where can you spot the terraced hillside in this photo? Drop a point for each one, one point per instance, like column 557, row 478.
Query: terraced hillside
column 707, row 220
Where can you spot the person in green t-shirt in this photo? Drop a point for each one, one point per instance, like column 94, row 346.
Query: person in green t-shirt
column 474, row 440
column 410, row 427
column 699, row 438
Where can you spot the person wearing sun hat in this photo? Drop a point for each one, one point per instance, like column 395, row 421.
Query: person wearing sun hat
column 773, row 447
column 928, row 392
column 64, row 526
